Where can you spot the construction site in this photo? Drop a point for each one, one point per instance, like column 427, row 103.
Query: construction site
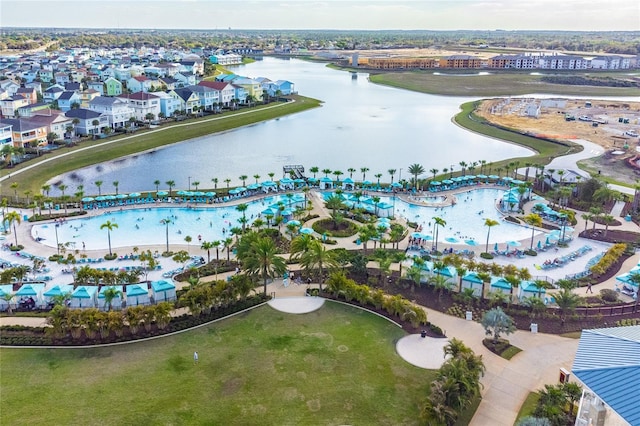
column 614, row 125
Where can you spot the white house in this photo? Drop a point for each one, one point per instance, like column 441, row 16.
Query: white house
column 86, row 119
column 142, row 104
column 116, row 110
column 226, row 91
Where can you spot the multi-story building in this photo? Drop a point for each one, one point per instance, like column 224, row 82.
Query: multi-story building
column 461, row 61
column 563, row 62
column 513, row 61
column 142, row 104
column 116, row 110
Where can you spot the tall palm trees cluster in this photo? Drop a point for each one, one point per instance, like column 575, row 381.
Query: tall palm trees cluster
column 456, row 386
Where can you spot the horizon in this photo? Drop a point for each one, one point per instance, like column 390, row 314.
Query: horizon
column 326, row 15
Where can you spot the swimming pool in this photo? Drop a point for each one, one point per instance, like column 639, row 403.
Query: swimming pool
column 465, row 220
column 140, row 227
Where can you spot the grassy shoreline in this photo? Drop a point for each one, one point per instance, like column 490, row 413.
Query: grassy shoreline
column 33, row 174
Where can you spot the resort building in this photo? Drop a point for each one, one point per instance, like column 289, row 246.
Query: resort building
column 225, row 59
column 397, row 63
column 513, row 62
column 612, row 62
column 563, row 62
column 607, row 366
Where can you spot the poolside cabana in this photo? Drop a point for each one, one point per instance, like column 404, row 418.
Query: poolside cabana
column 286, row 184
column 510, row 202
column 6, row 290
column 30, row 290
column 163, row 291
column 83, row 297
column 625, row 285
column 348, row 184
column 472, row 281
column 384, row 209
column 530, row 289
column 269, row 185
column 446, row 271
column 137, row 294
column 116, row 303
column 326, row 183
column 56, row 290
column 501, row 285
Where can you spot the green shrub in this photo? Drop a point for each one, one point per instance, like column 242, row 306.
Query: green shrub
column 486, row 255
column 608, row 295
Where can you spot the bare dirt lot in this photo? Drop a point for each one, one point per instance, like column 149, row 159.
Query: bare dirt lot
column 567, row 119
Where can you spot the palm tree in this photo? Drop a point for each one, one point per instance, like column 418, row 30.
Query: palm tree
column 109, row 294
column 12, row 218
column 262, row 260
column 435, row 172
column 62, row 188
column 317, row 257
column 215, row 183
column 337, row 174
column 489, row 223
column 207, row 245
column 326, row 172
column 351, row 170
column 157, row 184
column 196, row 184
column 391, row 173
column 242, row 208
column 437, row 222
column 243, row 178
column 115, row 185
column 227, row 181
column 271, row 175
column 109, row 226
column 534, row 220
column 364, row 171
column 415, row 170
column 256, row 177
column 227, row 244
column 314, row 170
column 567, row 302
column 170, row 184
column 97, row 183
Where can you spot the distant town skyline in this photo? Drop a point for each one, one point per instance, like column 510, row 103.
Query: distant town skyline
column 568, row 15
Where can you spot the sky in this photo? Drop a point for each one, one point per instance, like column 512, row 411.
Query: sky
column 580, row 15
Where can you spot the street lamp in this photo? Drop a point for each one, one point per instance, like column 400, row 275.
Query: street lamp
column 451, row 169
column 400, row 175
column 57, row 243
column 189, row 183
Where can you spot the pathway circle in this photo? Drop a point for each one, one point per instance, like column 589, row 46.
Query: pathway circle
column 296, row 305
column 423, row 352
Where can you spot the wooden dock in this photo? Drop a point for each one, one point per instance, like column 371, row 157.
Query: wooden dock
column 294, row 171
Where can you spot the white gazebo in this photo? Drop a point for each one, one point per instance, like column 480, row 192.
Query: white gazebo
column 137, row 294
column 163, row 291
column 116, row 303
column 83, row 297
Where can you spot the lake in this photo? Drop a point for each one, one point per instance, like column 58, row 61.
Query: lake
column 359, row 125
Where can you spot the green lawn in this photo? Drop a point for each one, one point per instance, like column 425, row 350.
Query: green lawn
column 145, row 140
column 496, row 84
column 334, row 366
column 528, row 405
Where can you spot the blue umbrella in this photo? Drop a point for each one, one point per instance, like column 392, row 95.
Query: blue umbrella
column 452, row 240
column 306, row 231
column 471, row 242
column 87, row 199
column 294, row 222
column 539, row 244
column 134, row 195
column 495, row 247
column 514, row 243
column 162, row 193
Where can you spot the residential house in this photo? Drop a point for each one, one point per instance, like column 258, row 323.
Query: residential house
column 185, row 79
column 45, row 75
column 73, row 87
column 62, row 78
column 67, row 100
column 226, row 90
column 10, row 106
column 192, row 64
column 142, row 84
column 33, row 109
column 278, row 88
column 52, row 93
column 607, row 367
column 240, row 94
column 98, row 86
column 209, row 97
column 36, row 85
column 168, row 104
column 122, row 74
column 85, row 121
column 117, row 110
column 187, row 98
column 225, row 59
column 55, row 122
column 167, row 69
column 28, row 93
column 10, row 86
column 26, row 133
column 6, row 135
column 112, row 87
column 87, row 96
column 142, row 104
column 168, row 83
column 252, row 87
